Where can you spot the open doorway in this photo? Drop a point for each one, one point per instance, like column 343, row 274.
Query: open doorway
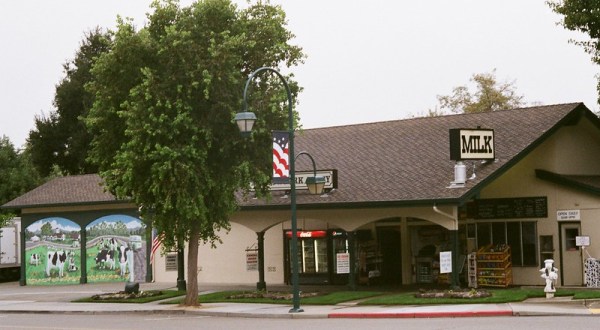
column 390, row 249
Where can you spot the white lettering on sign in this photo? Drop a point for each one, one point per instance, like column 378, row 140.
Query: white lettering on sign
column 563, row 215
column 472, row 144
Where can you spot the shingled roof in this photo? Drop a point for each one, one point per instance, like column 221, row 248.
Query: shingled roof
column 407, row 162
column 68, row 190
column 402, row 162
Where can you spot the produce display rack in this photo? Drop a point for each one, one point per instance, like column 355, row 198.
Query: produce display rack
column 494, row 267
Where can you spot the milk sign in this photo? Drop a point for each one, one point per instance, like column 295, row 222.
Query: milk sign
column 472, row 144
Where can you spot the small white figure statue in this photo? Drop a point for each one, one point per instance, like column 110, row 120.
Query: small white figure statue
column 550, row 274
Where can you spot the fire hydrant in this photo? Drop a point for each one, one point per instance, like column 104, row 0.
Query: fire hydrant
column 550, row 274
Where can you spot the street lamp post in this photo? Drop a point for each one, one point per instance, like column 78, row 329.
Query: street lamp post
column 245, row 121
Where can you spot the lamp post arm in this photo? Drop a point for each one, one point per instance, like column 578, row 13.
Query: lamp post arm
column 311, row 159
column 281, row 77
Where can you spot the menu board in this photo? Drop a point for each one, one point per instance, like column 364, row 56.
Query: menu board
column 508, row 208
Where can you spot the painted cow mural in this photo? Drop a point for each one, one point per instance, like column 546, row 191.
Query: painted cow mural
column 51, row 250
column 112, row 255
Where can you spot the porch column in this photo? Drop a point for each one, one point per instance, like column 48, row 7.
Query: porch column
column 82, row 258
column 261, row 285
column 353, row 259
column 455, row 282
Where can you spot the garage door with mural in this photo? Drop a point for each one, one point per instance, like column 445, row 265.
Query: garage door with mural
column 116, row 249
column 52, row 252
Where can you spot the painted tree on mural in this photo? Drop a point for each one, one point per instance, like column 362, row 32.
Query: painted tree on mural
column 165, row 97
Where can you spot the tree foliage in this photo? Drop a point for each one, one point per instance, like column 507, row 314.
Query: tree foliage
column 17, row 175
column 582, row 16
column 61, row 138
column 489, row 95
column 165, row 97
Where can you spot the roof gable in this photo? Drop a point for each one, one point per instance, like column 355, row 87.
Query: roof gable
column 68, row 190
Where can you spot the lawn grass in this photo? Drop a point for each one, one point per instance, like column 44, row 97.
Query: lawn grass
column 332, row 298
column 505, row 295
column 153, row 296
column 498, row 296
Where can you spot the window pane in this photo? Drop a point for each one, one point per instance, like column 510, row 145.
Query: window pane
column 483, row 234
column 570, row 237
column 498, row 233
column 513, row 230
column 529, row 241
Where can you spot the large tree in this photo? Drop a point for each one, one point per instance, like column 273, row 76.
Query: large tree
column 582, row 16
column 165, row 97
column 60, row 139
column 17, row 175
column 489, row 95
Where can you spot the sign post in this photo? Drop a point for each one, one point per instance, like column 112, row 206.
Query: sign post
column 582, row 241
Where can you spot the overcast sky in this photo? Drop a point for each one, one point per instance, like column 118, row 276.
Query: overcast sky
column 367, row 60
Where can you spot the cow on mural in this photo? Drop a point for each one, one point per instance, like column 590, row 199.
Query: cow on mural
column 56, row 259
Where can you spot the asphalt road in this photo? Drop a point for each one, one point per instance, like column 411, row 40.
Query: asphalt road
column 145, row 322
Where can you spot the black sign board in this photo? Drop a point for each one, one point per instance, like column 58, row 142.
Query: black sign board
column 508, row 208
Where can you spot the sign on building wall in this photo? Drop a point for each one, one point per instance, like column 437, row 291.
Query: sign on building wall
column 445, row 262
column 563, row 215
column 472, row 144
column 343, row 263
column 508, row 208
column 171, row 262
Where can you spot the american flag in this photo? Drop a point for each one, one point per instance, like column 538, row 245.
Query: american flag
column 281, row 157
column 156, row 242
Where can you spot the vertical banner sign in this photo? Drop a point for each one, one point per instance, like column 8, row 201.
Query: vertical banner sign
column 281, row 157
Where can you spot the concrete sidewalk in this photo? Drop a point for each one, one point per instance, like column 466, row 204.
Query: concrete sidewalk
column 57, row 299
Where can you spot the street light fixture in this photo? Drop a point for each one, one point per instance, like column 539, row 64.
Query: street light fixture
column 245, row 121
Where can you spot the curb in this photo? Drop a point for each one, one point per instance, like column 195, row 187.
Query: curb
column 419, row 315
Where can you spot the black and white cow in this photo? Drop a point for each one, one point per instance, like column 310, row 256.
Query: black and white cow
column 105, row 259
column 56, row 259
column 34, row 259
column 123, row 251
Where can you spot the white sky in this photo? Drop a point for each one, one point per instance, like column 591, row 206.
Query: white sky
column 367, row 60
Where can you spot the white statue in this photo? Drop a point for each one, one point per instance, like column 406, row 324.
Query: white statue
column 550, row 274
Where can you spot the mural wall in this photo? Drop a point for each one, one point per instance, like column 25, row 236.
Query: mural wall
column 52, row 252
column 116, row 249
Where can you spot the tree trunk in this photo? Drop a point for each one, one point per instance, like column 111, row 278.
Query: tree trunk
column 191, row 295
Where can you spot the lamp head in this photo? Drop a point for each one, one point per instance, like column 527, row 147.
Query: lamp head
column 315, row 184
column 245, row 120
